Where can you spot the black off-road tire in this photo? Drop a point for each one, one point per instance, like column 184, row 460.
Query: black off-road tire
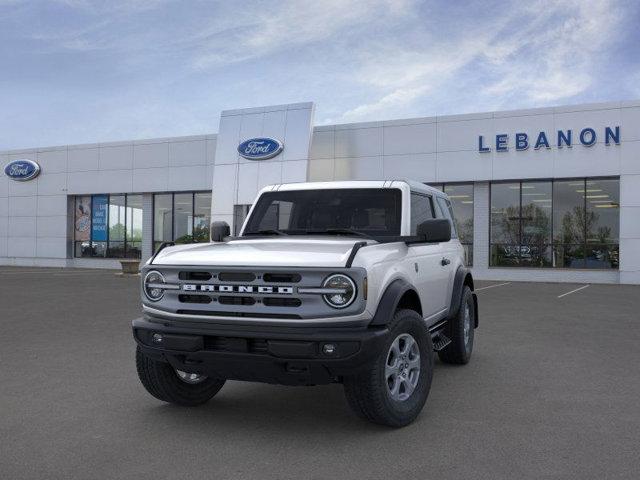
column 458, row 352
column 368, row 393
column 161, row 380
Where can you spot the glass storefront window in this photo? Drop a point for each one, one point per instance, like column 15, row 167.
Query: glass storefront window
column 82, row 226
column 568, row 223
column 117, row 220
column 603, row 223
column 182, row 217
column 162, row 219
column 201, row 216
column 505, row 224
column 134, row 226
column 563, row 224
column 108, row 226
column 535, row 242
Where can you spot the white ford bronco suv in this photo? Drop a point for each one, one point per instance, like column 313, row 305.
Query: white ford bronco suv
column 354, row 282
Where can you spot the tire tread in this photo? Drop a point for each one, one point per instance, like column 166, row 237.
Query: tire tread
column 366, row 392
column 160, row 380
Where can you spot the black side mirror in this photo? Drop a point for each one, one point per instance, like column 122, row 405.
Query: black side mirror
column 219, row 230
column 435, row 230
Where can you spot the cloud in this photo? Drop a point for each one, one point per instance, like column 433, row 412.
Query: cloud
column 552, row 60
column 263, row 31
column 541, row 53
column 125, row 69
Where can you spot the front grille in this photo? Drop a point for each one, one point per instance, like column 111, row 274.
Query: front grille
column 244, row 292
column 282, row 302
column 281, row 277
column 236, row 300
column 195, row 298
column 196, row 276
column 236, row 276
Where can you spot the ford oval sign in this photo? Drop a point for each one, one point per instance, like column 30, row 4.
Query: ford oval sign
column 22, row 170
column 260, row 148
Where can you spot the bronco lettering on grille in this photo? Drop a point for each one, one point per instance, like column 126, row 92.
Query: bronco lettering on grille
column 192, row 287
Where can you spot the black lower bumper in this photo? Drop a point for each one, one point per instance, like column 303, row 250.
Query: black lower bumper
column 300, row 356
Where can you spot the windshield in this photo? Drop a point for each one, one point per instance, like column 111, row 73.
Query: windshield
column 373, row 212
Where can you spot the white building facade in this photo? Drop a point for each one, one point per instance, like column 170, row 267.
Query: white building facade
column 549, row 194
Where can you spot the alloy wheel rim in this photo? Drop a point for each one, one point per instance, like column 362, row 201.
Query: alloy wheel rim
column 402, row 367
column 190, row 378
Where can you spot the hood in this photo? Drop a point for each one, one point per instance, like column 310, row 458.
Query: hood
column 308, row 251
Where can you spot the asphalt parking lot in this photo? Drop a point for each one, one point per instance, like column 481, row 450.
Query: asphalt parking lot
column 552, row 391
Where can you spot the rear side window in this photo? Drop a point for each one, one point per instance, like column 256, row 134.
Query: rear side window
column 421, row 210
column 447, row 212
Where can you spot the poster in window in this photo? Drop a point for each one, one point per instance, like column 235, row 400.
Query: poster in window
column 83, row 219
column 99, row 214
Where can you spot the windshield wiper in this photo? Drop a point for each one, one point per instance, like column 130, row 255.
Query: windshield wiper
column 267, row 232
column 340, row 231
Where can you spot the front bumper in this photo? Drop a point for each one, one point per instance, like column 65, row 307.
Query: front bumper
column 287, row 356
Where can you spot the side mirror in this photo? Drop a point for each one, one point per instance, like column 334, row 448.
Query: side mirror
column 435, row 230
column 219, row 230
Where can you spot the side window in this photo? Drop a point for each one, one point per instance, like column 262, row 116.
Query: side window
column 421, row 210
column 447, row 211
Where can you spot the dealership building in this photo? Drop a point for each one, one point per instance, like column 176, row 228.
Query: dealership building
column 548, row 194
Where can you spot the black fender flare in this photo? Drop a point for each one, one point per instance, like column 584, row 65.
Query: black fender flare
column 456, row 295
column 389, row 301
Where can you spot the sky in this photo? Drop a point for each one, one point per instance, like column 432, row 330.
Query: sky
column 80, row 71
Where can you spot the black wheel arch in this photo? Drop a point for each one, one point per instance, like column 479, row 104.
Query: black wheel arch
column 462, row 278
column 398, row 294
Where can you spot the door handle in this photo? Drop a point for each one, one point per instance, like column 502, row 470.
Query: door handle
column 445, row 261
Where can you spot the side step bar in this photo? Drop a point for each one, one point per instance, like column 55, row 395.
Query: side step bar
column 439, row 339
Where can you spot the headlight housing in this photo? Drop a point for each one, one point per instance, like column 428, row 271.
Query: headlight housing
column 151, row 285
column 344, row 290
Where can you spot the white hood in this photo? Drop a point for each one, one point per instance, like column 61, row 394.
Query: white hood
column 283, row 251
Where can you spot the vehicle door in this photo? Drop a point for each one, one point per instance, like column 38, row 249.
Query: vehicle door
column 431, row 277
column 452, row 252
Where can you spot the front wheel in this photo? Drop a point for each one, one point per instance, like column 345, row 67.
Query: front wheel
column 175, row 386
column 393, row 389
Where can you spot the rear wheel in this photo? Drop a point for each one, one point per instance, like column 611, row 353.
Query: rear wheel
column 393, row 389
column 461, row 332
column 175, row 386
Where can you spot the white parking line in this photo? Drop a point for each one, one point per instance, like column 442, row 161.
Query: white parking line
column 491, row 286
column 573, row 291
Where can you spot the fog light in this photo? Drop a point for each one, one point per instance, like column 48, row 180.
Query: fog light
column 328, row 348
column 157, row 338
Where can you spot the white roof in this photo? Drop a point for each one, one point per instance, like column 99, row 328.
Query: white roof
column 413, row 185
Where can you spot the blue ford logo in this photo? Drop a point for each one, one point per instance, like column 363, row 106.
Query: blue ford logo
column 22, row 170
column 260, row 148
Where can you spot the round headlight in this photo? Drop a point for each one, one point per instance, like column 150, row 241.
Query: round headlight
column 345, row 291
column 150, row 286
